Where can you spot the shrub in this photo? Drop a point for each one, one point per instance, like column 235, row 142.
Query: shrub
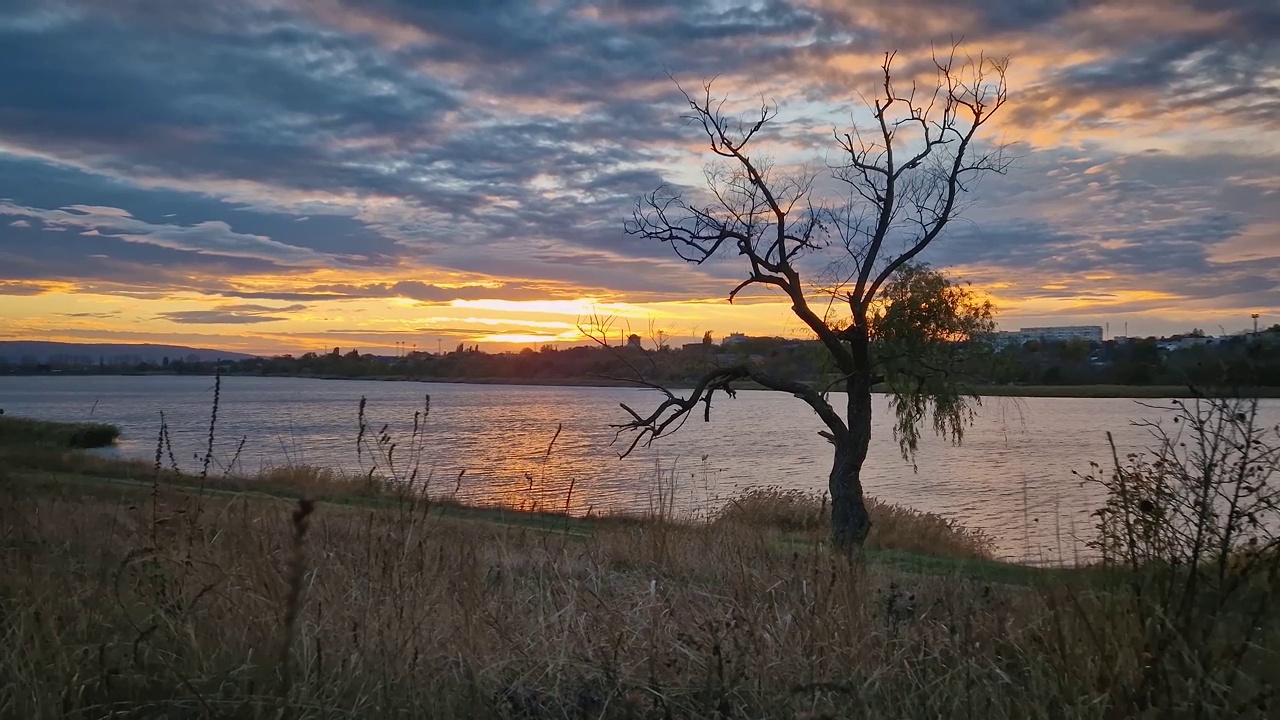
column 1193, row 527
column 771, row 506
column 15, row 431
column 893, row 527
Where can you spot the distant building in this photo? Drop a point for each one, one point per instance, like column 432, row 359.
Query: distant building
column 633, row 341
column 1060, row 333
column 1194, row 340
column 1182, row 342
column 1092, row 333
column 733, row 339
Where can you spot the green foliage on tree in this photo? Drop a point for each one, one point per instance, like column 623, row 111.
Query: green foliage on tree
column 922, row 332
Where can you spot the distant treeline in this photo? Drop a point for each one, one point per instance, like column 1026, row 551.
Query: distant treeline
column 1237, row 360
column 1226, row 361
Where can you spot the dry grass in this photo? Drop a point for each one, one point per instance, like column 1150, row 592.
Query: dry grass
column 133, row 590
column 251, row 608
column 25, row 431
column 893, row 527
column 311, row 482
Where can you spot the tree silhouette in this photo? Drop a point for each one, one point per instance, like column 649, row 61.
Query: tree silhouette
column 846, row 262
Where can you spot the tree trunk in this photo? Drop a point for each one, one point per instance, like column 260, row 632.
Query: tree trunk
column 850, row 522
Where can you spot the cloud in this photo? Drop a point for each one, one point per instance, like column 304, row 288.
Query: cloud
column 314, row 151
column 22, row 287
column 232, row 314
column 210, row 237
column 1188, row 228
column 94, row 315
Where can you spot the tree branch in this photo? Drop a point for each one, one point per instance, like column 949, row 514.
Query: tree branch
column 673, row 411
column 967, row 97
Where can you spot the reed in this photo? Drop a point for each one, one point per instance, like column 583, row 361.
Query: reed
column 350, row 606
column 393, row 615
column 293, row 598
column 893, row 527
column 24, row 431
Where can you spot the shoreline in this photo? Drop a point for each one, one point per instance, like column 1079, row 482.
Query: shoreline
column 381, row 601
column 54, row 455
column 1022, row 391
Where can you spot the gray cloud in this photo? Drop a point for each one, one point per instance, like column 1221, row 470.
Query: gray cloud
column 95, row 315
column 19, row 287
column 210, row 237
column 1152, row 221
column 510, row 138
column 232, row 314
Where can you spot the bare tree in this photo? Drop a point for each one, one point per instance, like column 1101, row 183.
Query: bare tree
column 906, row 175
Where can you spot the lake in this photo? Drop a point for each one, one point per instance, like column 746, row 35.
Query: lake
column 489, row 443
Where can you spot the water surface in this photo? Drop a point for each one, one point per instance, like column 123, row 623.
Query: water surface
column 1012, row 476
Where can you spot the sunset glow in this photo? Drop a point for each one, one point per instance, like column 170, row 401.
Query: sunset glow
column 311, row 175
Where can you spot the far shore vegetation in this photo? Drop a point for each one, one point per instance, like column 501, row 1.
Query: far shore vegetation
column 142, row 589
column 1138, row 369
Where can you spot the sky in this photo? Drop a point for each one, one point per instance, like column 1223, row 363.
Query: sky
column 290, row 175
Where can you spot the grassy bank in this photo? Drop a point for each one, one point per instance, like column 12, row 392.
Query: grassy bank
column 131, row 593
column 49, row 467
column 25, row 432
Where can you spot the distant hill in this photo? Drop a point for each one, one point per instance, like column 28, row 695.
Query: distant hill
column 17, row 351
